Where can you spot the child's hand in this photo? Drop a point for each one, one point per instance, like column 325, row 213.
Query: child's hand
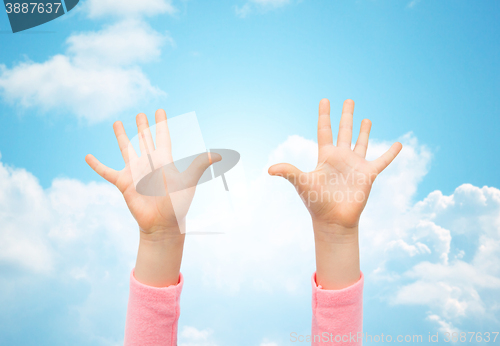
column 154, row 213
column 335, row 194
column 336, row 191
column 162, row 237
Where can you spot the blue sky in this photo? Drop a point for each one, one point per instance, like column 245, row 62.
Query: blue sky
column 254, row 73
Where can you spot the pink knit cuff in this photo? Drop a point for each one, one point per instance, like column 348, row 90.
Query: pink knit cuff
column 345, row 296
column 337, row 315
column 152, row 314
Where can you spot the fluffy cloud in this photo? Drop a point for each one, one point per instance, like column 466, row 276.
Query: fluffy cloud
column 441, row 253
column 457, row 277
column 95, row 79
column 444, row 327
column 53, row 244
column 21, row 195
column 121, row 44
column 99, row 75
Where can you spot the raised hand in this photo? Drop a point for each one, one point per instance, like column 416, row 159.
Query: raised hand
column 160, row 217
column 336, row 192
column 153, row 213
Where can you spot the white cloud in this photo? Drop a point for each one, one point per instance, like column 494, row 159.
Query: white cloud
column 259, row 5
column 99, row 75
column 73, row 237
column 443, row 326
column 128, row 8
column 412, row 250
column 21, row 195
column 124, row 43
column 455, row 280
column 280, row 235
column 95, row 79
column 47, row 224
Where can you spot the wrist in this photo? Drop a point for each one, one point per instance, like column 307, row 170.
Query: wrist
column 163, row 235
column 337, row 256
column 334, row 233
column 159, row 257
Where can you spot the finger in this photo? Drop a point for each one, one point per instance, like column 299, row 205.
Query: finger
column 385, row 160
column 199, row 166
column 345, row 126
column 287, row 171
column 127, row 150
column 162, row 133
column 364, row 134
column 107, row 173
column 324, row 125
column 145, row 138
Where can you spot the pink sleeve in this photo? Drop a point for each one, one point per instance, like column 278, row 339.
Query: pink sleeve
column 337, row 315
column 152, row 314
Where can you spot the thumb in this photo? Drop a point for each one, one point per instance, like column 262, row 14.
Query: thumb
column 199, row 166
column 287, row 171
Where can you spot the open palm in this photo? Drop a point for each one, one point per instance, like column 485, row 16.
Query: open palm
column 163, row 211
column 336, row 192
